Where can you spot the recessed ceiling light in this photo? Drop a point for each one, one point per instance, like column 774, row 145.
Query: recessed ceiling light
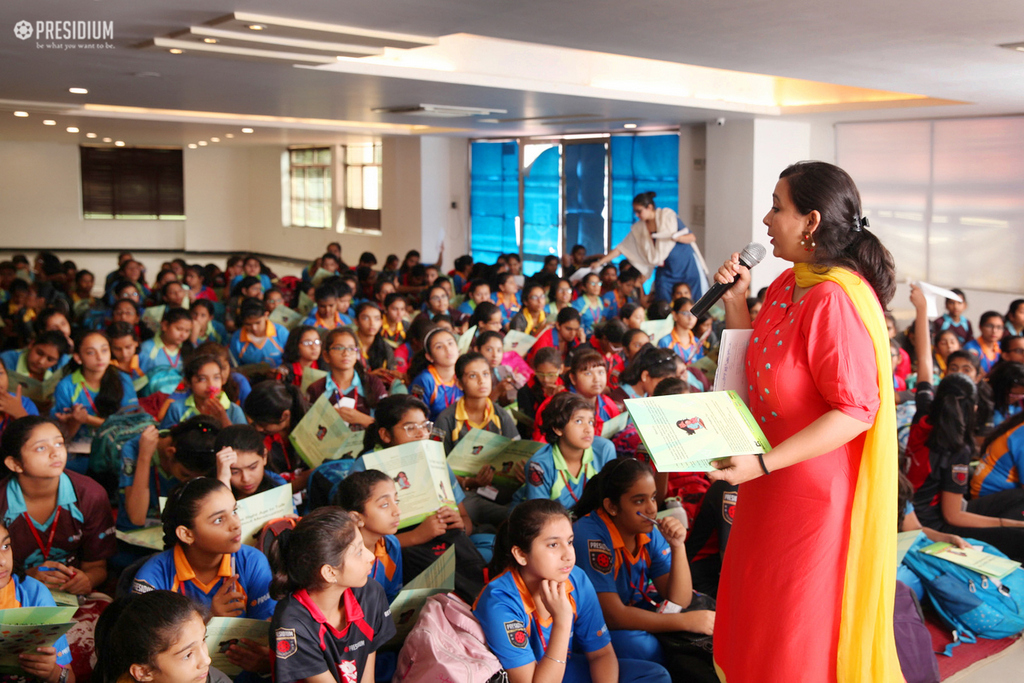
column 214, row 139
column 90, row 135
column 72, row 129
column 49, row 122
column 256, row 27
column 1019, row 48
column 119, row 143
column 629, row 125
column 192, row 145
column 21, row 114
column 175, row 51
column 108, row 139
column 203, row 143
column 247, row 130
column 211, row 41
column 230, row 135
column 78, row 91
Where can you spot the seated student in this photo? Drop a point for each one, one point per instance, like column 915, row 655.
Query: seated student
column 326, row 315
column 331, row 618
column 130, row 291
column 413, row 343
column 509, row 372
column 588, row 378
column 485, row 318
column 252, row 267
column 59, row 521
column 436, row 301
column 247, row 288
column 946, row 342
column 301, row 352
column 198, row 290
column 566, row 334
column 242, row 460
column 40, row 359
column 375, row 353
column 609, row 278
column 49, row 664
column 174, row 295
column 623, row 294
column 436, row 383
column 258, row 340
column 347, row 378
column 204, row 327
column 164, row 349
column 54, row 320
column 540, row 613
column 632, row 341
column 205, row 559
column 643, row 374
column 1006, row 381
column 589, row 303
column 475, row 409
column 204, row 395
column 546, row 382
column 560, row 296
column 154, row 462
column 560, row 470
column 531, row 318
column 158, row 637
column 632, row 315
column 507, row 297
column 392, row 328
column 12, row 404
column 345, row 291
column 372, row 500
column 236, row 385
column 607, row 340
column 124, row 310
column 681, row 339
column 627, row 553
column 275, row 409
column 986, row 347
column 273, row 298
column 477, row 292
column 124, row 344
column 954, row 319
column 681, row 290
column 93, row 390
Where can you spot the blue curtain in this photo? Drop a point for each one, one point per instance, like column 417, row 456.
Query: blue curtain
column 541, row 208
column 585, row 184
column 494, row 199
column 642, row 163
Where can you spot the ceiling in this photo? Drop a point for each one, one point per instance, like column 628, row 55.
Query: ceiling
column 936, row 48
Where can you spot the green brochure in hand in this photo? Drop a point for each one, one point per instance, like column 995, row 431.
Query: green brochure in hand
column 615, row 425
column 971, row 558
column 685, row 432
column 421, row 477
column 150, row 537
column 23, row 629
column 322, row 435
column 310, row 375
column 520, row 342
column 306, row 304
column 223, row 632
column 257, row 510
column 480, row 447
column 41, row 393
column 290, row 319
column 437, row 578
column 904, row 541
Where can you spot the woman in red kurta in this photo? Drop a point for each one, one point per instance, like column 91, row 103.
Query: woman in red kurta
column 809, row 573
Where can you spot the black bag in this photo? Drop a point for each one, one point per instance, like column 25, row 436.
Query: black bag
column 688, row 656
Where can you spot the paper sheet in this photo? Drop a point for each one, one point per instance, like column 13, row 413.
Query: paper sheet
column 981, row 562
column 580, row 274
column 310, row 375
column 656, row 329
column 26, row 628
column 480, row 447
column 321, row 433
column 904, row 541
column 257, row 510
column 936, row 298
column 150, row 537
column 222, row 632
column 731, row 374
column 615, row 425
column 421, row 477
column 520, row 342
column 282, row 315
column 439, row 577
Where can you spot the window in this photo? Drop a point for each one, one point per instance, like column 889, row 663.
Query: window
column 946, row 196
column 363, row 186
column 311, row 195
column 132, row 183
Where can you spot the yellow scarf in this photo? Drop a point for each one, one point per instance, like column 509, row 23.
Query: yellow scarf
column 867, row 646
column 532, row 324
column 462, row 418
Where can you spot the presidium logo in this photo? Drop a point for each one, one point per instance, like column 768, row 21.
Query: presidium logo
column 67, row 35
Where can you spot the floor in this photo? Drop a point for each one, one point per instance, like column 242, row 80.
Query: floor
column 1004, row 667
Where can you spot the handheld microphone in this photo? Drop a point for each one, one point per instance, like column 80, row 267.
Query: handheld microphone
column 749, row 257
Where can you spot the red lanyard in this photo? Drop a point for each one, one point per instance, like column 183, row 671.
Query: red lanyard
column 629, row 580
column 39, row 541
column 88, row 397
column 540, row 632
column 174, row 362
column 568, row 487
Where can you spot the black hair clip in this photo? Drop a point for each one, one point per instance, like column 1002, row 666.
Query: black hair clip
column 860, row 222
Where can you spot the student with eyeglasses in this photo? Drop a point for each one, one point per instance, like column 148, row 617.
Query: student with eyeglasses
column 301, row 352
column 348, row 378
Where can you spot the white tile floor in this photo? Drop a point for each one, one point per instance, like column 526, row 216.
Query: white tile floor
column 1005, row 667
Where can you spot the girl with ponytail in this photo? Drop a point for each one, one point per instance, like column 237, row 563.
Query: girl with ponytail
column 541, row 614
column 92, row 390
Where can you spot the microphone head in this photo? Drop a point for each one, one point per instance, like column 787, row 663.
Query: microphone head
column 752, row 254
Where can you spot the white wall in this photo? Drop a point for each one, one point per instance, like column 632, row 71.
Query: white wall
column 692, row 179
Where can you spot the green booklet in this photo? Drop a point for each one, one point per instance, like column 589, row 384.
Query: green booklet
column 310, row 375
column 615, row 425
column 322, row 435
column 439, row 577
column 290, row 319
column 466, row 339
column 306, row 304
column 320, row 275
column 520, row 342
column 971, row 558
column 23, row 629
column 41, row 393
column 656, row 329
column 685, row 432
column 151, row 537
column 421, row 477
column 480, row 447
column 223, row 632
column 152, row 316
column 904, row 541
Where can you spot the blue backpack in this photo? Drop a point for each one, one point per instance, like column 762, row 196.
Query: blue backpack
column 974, row 605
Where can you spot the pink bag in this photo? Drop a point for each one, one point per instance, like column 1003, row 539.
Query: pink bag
column 446, row 644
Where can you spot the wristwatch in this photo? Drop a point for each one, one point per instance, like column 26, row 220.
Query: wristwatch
column 63, row 675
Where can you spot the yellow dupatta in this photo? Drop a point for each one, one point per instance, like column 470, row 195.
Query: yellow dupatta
column 867, row 645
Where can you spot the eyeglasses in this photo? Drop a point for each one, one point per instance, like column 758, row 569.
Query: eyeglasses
column 991, row 326
column 438, row 298
column 535, row 297
column 546, row 375
column 310, row 342
column 414, row 428
column 344, row 349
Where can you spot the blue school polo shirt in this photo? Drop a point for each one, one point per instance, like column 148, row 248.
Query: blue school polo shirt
column 159, row 484
column 588, row 316
column 545, row 480
column 182, row 408
column 153, row 354
column 516, row 635
column 602, row 553
column 247, row 352
column 72, row 391
column 171, row 571
column 28, row 592
column 387, row 566
column 436, row 394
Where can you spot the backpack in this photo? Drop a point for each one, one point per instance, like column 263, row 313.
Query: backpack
column 270, row 531
column 913, row 641
column 972, row 604
column 117, row 430
column 446, row 644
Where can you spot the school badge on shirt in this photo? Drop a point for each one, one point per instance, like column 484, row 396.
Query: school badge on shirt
column 729, row 506
column 960, row 475
column 286, row 645
column 349, row 672
column 535, row 475
column 516, row 631
column 600, row 556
